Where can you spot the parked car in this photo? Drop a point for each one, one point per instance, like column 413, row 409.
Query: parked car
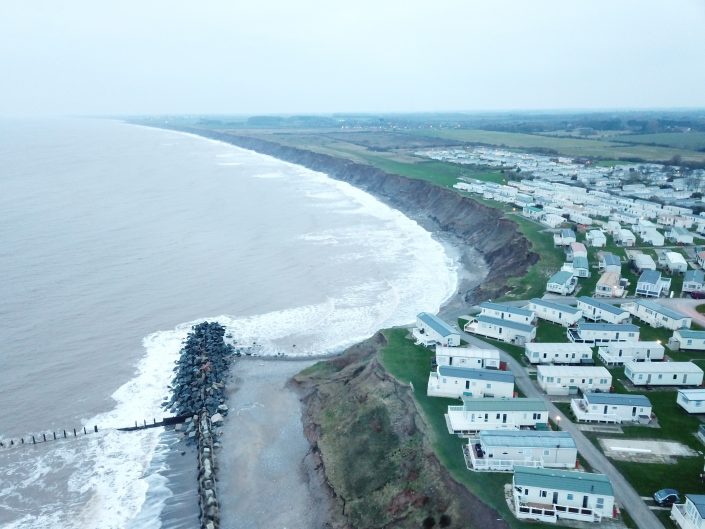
column 697, row 295
column 667, row 497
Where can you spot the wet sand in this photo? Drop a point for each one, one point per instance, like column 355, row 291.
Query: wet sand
column 265, row 479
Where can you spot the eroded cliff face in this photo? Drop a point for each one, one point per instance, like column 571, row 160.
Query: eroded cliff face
column 507, row 253
column 370, row 444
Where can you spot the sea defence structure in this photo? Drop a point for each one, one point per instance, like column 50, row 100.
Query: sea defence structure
column 198, row 391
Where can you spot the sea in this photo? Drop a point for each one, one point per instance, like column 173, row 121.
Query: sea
column 115, row 239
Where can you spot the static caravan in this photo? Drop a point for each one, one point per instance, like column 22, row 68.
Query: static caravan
column 675, row 262
column 643, row 262
column 580, row 266
column 456, row 382
column 625, row 238
column 610, row 285
column 467, row 357
column 694, row 281
column 679, row 235
column 478, row 414
column 547, row 495
column 597, row 333
column 558, row 353
column 596, row 310
column 656, row 315
column 564, row 237
column 504, row 330
column 691, row 400
column 691, row 514
column 652, row 284
column 609, row 262
column 568, row 380
column 612, row 408
column 562, row 282
column 617, row 353
column 596, row 238
column 431, row 330
column 575, row 249
column 652, row 236
column 507, row 312
column 559, row 313
column 687, row 340
column 663, row 373
column 502, row 450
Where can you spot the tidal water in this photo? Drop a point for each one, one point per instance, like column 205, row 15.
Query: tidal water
column 114, row 240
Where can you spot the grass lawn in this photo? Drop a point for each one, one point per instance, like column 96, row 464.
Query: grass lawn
column 408, row 362
column 701, row 308
column 533, row 283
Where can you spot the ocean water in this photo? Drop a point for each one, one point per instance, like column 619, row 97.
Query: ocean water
column 116, row 239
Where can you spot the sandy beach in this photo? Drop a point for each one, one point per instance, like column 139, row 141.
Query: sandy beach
column 265, row 478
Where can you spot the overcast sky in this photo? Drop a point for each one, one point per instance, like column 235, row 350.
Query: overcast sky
column 295, row 56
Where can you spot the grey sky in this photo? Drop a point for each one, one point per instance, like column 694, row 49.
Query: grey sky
column 237, row 56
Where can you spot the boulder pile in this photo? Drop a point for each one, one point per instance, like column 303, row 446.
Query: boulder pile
column 201, row 372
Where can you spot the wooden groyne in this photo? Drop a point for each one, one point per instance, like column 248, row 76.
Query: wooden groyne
column 45, row 437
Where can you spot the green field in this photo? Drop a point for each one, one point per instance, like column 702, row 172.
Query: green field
column 693, row 141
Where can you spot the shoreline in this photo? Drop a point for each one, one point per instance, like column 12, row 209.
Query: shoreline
column 480, row 239
column 457, row 222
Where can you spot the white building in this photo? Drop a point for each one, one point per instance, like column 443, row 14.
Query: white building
column 608, row 262
column 503, row 330
column 603, row 332
column 562, row 282
column 564, row 237
column 580, row 267
column 507, row 312
column 612, row 408
column 502, row 450
column 691, row 514
column 656, row 315
column 610, row 285
column 675, row 262
column 643, row 261
column 596, row 310
column 625, row 238
column 576, row 249
column 613, row 227
column 663, row 373
column 694, row 281
column 651, row 284
column 478, row 414
column 456, row 382
column 431, row 330
column 559, row 313
column 547, row 495
column 596, row 238
column 691, row 400
column 617, row 353
column 568, row 380
column 679, row 235
column 685, row 339
column 652, row 236
column 558, row 353
column 467, row 357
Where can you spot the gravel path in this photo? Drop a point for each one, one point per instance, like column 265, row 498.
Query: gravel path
column 264, row 479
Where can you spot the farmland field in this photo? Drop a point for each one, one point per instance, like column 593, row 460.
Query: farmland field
column 681, row 140
column 611, row 150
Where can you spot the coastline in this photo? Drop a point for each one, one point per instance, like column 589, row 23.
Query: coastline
column 484, row 245
column 482, row 240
